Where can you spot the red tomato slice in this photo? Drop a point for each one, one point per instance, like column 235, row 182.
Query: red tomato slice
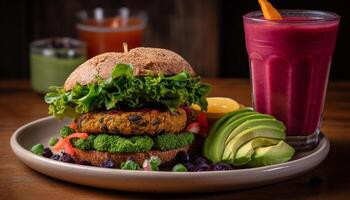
column 202, row 120
column 203, row 131
column 193, row 127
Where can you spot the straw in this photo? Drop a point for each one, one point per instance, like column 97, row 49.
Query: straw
column 98, row 14
column 125, row 46
column 124, row 15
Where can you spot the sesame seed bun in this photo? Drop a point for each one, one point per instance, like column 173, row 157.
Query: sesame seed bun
column 145, row 62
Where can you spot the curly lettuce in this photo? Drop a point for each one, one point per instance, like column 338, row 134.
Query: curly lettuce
column 123, row 89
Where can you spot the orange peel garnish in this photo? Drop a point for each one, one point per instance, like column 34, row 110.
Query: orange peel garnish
column 269, row 11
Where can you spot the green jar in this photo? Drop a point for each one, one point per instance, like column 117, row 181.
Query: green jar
column 52, row 60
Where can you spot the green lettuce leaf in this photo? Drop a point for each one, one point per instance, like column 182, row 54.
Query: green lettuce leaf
column 123, row 89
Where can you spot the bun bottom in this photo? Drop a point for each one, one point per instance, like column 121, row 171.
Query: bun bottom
column 97, row 157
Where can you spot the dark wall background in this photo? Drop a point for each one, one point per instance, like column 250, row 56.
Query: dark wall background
column 208, row 33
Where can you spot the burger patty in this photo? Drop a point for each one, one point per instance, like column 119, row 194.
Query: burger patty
column 146, row 121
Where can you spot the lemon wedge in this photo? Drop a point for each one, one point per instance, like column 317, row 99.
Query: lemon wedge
column 218, row 106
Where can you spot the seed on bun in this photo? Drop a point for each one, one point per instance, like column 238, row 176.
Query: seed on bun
column 145, row 62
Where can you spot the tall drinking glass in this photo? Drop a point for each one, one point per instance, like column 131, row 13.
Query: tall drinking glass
column 109, row 33
column 52, row 60
column 289, row 66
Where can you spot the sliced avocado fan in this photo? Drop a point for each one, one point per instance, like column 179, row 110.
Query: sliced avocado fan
column 245, row 153
column 256, row 120
column 270, row 155
column 243, row 137
column 213, row 146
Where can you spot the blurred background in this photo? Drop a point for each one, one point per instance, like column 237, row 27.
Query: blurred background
column 208, row 33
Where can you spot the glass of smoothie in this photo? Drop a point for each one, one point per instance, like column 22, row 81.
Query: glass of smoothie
column 104, row 33
column 52, row 60
column 289, row 66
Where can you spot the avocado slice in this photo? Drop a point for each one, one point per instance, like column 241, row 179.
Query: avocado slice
column 216, row 146
column 244, row 153
column 217, row 125
column 256, row 120
column 213, row 132
column 275, row 154
column 247, row 135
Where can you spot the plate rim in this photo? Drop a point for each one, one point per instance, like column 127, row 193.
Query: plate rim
column 323, row 145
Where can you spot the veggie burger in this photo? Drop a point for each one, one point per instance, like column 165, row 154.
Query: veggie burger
column 130, row 105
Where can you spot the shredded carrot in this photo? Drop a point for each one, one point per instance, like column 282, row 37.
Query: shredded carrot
column 269, row 11
column 59, row 144
column 65, row 143
column 77, row 135
column 73, row 125
column 68, row 148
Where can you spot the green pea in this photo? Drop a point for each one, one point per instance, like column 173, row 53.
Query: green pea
column 155, row 163
column 179, row 168
column 53, row 141
column 38, row 149
column 130, row 165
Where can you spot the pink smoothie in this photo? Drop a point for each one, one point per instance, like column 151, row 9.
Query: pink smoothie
column 289, row 63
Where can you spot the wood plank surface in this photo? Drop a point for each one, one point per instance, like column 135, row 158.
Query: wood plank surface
column 331, row 180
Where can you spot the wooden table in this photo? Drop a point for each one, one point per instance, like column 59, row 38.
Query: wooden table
column 331, row 180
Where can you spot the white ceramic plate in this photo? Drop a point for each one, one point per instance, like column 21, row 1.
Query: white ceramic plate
column 41, row 130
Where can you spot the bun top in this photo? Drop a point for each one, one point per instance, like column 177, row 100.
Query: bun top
column 145, row 62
